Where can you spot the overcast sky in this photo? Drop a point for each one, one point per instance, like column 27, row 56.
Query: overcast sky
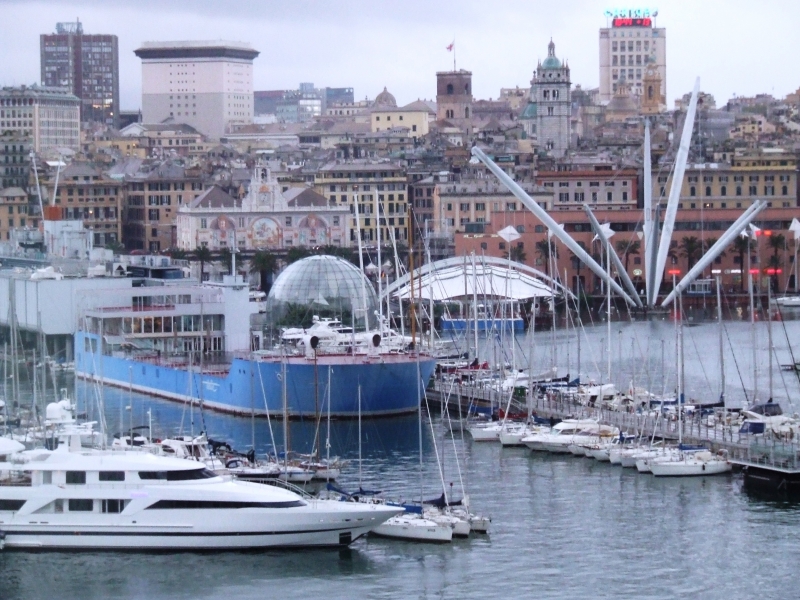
column 737, row 47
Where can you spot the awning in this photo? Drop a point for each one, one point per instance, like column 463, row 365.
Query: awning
column 459, row 281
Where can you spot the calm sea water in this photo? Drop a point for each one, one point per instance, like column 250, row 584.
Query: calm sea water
column 562, row 527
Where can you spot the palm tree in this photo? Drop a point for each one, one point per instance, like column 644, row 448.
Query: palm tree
column 202, row 255
column 628, row 248
column 741, row 246
column 777, row 242
column 265, row 264
column 225, row 257
column 296, row 253
column 517, row 254
column 691, row 249
column 545, row 249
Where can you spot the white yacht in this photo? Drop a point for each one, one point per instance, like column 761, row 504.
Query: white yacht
column 690, row 464
column 73, row 497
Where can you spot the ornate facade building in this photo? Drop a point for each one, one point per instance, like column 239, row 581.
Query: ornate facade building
column 265, row 218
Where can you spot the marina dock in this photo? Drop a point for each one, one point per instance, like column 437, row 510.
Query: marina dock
column 767, row 463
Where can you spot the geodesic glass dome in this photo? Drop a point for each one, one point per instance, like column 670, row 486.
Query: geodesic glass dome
column 325, row 286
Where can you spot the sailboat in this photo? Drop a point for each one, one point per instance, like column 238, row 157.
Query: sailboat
column 694, row 462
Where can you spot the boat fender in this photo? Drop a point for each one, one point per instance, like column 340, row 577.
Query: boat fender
column 376, row 340
column 314, row 342
column 704, row 467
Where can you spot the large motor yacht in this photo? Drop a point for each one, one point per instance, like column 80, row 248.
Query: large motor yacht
column 72, row 497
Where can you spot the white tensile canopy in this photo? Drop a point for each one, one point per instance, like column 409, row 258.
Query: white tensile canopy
column 457, row 281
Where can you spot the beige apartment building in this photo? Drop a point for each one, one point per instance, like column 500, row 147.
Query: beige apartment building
column 767, row 174
column 629, row 43
column 48, row 115
column 85, row 194
column 416, row 117
column 342, row 182
column 152, row 201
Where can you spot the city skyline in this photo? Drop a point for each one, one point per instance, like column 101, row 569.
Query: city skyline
column 733, row 48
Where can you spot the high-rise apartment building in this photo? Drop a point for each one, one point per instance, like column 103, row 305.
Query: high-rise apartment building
column 208, row 85
column 49, row 116
column 628, row 44
column 88, row 65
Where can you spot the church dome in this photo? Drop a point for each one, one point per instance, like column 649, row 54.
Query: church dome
column 551, row 62
column 385, row 99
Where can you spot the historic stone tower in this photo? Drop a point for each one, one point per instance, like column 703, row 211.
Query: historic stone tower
column 651, row 97
column 551, row 91
column 454, row 97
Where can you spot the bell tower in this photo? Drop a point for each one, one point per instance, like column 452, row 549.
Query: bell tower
column 454, row 97
column 651, row 96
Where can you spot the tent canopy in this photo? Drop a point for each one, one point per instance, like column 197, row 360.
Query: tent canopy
column 461, row 280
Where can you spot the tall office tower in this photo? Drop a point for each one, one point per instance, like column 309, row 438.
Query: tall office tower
column 86, row 64
column 628, row 45
column 208, row 85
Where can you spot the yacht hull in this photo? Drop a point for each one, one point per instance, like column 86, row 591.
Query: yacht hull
column 196, row 530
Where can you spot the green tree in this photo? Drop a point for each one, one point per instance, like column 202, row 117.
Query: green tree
column 176, row 254
column 777, row 242
column 626, row 248
column 741, row 245
column 545, row 249
column 265, row 264
column 202, row 255
column 516, row 254
column 225, row 257
column 296, row 253
column 691, row 249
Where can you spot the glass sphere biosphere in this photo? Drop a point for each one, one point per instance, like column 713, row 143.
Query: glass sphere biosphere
column 323, row 286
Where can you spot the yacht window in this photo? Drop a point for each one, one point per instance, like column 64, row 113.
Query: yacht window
column 164, row 504
column 76, row 477
column 112, row 476
column 178, row 475
column 113, row 506
column 11, row 504
column 81, row 504
column 47, row 477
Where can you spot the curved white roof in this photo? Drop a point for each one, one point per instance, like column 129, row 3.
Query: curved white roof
column 457, row 281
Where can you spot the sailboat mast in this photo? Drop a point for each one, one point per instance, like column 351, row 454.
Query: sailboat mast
column 361, row 266
column 608, row 309
column 285, row 415
column 769, row 335
column 721, row 347
column 328, row 434
column 752, row 329
column 360, row 459
column 475, row 303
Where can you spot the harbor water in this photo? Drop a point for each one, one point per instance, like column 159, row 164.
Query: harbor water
column 562, row 527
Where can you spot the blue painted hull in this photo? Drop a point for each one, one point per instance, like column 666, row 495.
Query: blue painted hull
column 387, row 382
column 483, row 324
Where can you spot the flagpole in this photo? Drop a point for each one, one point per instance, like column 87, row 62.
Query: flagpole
column 454, row 55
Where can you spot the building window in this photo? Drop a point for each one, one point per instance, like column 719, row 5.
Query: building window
column 578, row 196
column 723, row 191
column 288, row 221
column 609, row 196
column 692, row 191
column 708, row 190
